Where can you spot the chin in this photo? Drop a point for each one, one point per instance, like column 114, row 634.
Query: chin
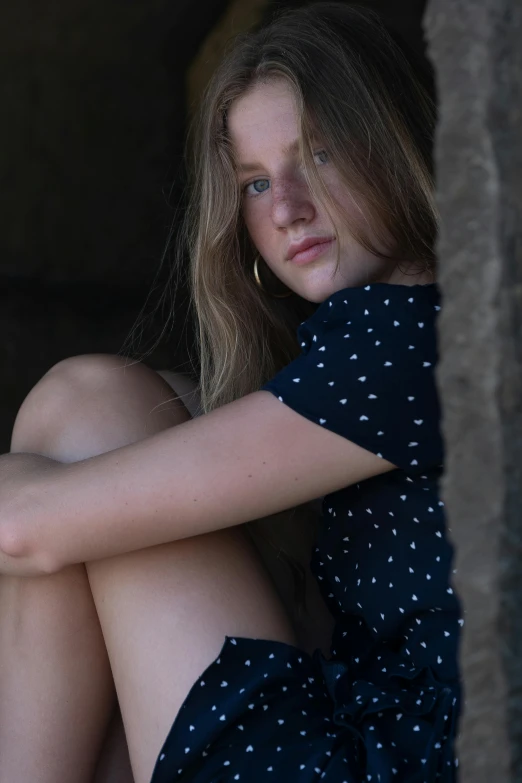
column 319, row 289
column 317, row 293
column 317, row 285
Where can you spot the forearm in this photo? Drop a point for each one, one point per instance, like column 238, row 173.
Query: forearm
column 162, row 489
column 247, row 460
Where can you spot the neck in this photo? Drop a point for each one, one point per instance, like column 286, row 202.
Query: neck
column 411, row 274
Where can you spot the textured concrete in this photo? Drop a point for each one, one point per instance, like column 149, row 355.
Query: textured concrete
column 475, row 46
column 93, row 118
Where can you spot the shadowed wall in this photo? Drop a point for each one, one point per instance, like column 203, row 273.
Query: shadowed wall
column 94, row 109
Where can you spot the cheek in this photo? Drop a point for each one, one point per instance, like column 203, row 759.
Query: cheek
column 257, row 221
column 355, row 213
column 346, row 204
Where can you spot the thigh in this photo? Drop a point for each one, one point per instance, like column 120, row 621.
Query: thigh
column 165, row 613
column 186, row 390
column 284, row 543
column 83, row 406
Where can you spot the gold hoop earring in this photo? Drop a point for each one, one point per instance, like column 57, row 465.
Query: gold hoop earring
column 260, row 284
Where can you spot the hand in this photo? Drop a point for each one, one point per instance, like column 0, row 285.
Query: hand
column 23, row 480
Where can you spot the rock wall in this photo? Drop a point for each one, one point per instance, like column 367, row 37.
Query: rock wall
column 475, row 46
column 94, row 98
column 94, row 105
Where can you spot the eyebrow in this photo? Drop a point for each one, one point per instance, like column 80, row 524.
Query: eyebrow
column 290, row 149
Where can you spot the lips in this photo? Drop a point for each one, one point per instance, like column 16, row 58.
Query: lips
column 308, row 249
column 304, row 244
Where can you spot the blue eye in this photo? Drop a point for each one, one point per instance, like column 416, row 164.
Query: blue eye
column 322, row 156
column 259, row 186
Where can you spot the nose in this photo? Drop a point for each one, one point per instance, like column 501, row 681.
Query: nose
column 291, row 202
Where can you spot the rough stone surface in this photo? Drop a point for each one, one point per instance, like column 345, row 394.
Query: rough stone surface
column 475, row 47
column 94, row 107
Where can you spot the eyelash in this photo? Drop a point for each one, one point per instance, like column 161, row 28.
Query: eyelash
column 265, row 179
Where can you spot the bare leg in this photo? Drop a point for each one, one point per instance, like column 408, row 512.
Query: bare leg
column 114, row 763
column 292, row 532
column 55, row 679
column 83, row 407
column 165, row 613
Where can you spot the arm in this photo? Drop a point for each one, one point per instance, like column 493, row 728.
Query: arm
column 247, row 460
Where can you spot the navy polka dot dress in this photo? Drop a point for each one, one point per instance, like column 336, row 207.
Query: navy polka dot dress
column 384, row 705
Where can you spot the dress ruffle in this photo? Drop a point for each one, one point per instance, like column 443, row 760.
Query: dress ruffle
column 402, row 718
column 260, row 707
column 309, row 716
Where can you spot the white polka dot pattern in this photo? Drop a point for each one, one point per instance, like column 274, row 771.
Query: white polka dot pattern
column 384, row 705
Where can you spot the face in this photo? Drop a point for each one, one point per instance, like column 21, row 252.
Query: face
column 293, row 233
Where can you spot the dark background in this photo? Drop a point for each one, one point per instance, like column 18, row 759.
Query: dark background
column 95, row 97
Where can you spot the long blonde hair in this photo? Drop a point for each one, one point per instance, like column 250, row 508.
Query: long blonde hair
column 356, row 89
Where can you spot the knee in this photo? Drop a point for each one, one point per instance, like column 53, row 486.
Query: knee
column 88, row 404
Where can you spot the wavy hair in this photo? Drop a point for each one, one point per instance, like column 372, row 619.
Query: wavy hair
column 370, row 101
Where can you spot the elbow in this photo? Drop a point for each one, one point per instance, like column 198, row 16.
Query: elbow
column 44, row 564
column 12, row 543
column 24, row 558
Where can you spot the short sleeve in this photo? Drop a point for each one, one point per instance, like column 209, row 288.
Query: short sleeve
column 367, row 372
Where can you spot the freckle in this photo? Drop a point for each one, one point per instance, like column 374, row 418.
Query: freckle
column 195, row 500
column 249, row 475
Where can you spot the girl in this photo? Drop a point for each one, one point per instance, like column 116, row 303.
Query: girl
column 312, row 198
